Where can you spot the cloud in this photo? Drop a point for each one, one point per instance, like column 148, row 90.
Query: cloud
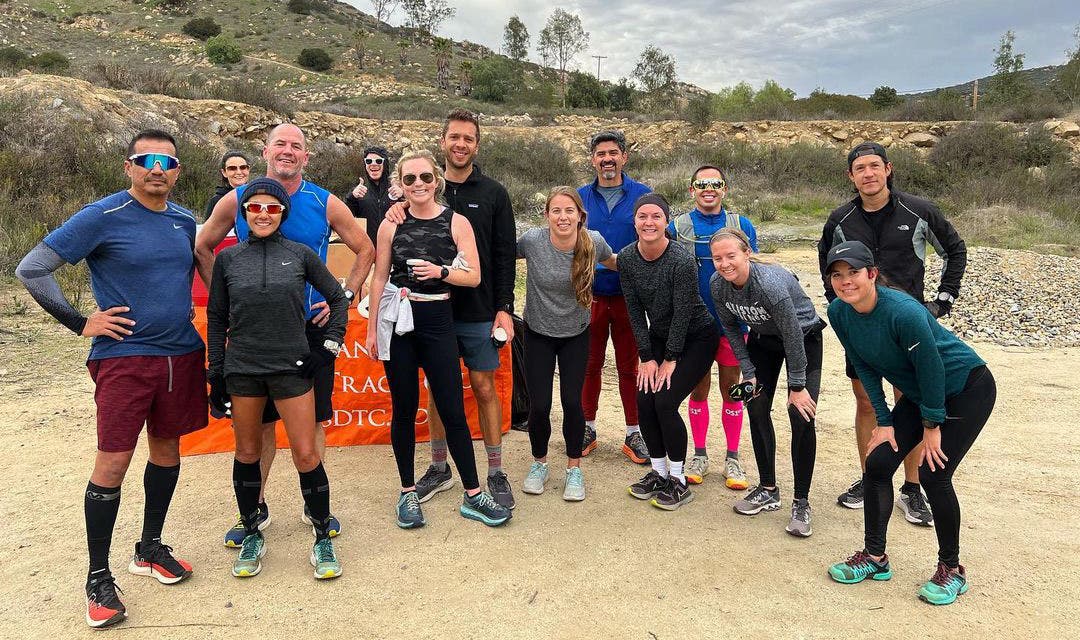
column 844, row 46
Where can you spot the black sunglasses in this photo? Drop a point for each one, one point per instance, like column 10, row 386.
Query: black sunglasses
column 426, row 177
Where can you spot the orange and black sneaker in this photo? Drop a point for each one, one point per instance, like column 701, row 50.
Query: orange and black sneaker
column 635, row 449
column 588, row 443
column 156, row 561
column 103, row 606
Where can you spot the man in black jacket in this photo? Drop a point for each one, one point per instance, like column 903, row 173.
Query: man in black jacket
column 374, row 194
column 897, row 227
column 479, row 311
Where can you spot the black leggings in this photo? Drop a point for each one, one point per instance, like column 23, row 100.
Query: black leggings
column 541, row 353
column 662, row 427
column 431, row 345
column 767, row 354
column 966, row 413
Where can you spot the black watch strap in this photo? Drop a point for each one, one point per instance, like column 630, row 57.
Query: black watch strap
column 796, row 387
column 444, row 273
column 929, row 425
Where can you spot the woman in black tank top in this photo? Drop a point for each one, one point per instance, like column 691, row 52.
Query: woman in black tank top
column 414, row 258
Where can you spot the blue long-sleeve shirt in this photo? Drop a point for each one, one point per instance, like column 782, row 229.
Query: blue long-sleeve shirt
column 615, row 225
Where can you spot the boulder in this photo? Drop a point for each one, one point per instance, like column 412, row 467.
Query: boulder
column 840, row 135
column 919, row 139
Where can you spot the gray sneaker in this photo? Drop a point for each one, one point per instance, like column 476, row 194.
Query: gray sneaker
column 534, row 482
column 800, row 518
column 409, row 514
column 759, row 499
column 574, row 491
column 853, row 497
column 434, row 481
column 499, row 488
column 915, row 509
column 697, row 469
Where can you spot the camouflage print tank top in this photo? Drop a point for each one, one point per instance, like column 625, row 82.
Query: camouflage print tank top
column 430, row 240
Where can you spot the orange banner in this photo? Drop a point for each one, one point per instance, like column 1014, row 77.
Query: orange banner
column 362, row 410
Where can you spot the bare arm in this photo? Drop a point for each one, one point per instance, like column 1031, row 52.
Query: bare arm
column 611, row 263
column 212, row 233
column 466, row 244
column 354, row 237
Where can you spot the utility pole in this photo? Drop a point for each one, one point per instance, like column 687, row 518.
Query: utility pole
column 598, row 59
column 975, row 96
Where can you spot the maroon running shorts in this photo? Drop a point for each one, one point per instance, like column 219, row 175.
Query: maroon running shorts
column 168, row 393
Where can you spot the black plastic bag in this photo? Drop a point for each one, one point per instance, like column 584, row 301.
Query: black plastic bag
column 519, row 403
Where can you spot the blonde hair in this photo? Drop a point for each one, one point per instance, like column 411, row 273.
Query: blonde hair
column 423, row 154
column 583, row 265
column 737, row 234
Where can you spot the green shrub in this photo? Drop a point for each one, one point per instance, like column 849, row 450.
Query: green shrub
column 585, row 92
column 315, row 59
column 621, row 96
column 223, row 50
column 494, row 79
column 253, row 93
column 699, row 112
column 307, row 7
column 526, row 166
column 334, row 167
column 202, row 28
column 13, row 59
column 943, row 104
column 980, row 148
column 50, row 62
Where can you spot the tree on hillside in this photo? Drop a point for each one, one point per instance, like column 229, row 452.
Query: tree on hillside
column 494, row 79
column 1068, row 79
column 403, row 50
column 885, row 97
column 443, row 54
column 465, row 78
column 516, row 39
column 655, row 70
column 561, row 40
column 773, row 101
column 585, row 92
column 1007, row 86
column 359, row 46
column 621, row 96
column 427, row 15
column 384, row 9
column 734, row 102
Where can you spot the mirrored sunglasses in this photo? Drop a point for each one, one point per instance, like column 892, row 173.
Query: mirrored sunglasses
column 272, row 208
column 409, row 178
column 714, row 184
column 148, row 160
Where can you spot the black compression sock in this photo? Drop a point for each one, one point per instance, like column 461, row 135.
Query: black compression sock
column 159, row 484
column 100, row 505
column 247, row 483
column 910, row 487
column 315, row 488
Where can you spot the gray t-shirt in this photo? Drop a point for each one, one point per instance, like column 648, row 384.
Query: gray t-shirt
column 612, row 195
column 771, row 303
column 551, row 308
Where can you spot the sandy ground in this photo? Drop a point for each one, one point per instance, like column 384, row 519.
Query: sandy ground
column 608, row 567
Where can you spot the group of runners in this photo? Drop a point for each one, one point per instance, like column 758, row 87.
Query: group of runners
column 675, row 293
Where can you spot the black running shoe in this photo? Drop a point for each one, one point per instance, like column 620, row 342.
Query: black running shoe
column 433, row 481
column 652, row 484
column 499, row 488
column 673, row 496
column 103, row 606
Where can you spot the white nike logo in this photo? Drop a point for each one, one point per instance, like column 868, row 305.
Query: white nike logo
column 177, row 226
column 913, row 346
column 285, row 264
column 842, row 250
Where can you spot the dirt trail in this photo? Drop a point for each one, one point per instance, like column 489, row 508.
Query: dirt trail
column 608, row 567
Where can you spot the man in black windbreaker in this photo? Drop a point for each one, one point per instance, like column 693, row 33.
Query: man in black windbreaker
column 374, row 194
column 897, row 227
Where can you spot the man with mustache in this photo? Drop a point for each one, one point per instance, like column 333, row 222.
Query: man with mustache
column 609, row 201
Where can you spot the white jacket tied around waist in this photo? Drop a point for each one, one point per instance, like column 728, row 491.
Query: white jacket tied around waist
column 395, row 316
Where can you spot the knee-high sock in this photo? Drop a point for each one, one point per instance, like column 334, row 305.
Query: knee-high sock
column 732, row 421
column 100, row 505
column 247, row 484
column 159, row 483
column 698, row 412
column 315, row 487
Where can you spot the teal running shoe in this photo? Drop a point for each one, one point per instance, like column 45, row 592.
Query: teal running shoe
column 249, row 562
column 574, row 491
column 534, row 482
column 325, row 560
column 859, row 567
column 234, row 538
column 409, row 514
column 945, row 586
column 483, row 508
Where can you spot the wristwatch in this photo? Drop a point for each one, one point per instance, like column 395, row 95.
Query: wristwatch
column 929, row 425
column 946, row 297
column 796, row 387
column 332, row 347
column 508, row 308
column 349, row 295
column 444, row 273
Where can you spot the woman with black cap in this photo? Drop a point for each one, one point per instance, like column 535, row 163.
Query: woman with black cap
column 257, row 306
column 235, row 169
column 375, row 192
column 676, row 340
column 948, row 395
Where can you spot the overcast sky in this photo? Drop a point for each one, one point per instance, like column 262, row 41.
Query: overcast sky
column 844, row 46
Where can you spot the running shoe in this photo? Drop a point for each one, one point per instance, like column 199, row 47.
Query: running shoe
column 915, row 509
column 332, row 530
column 574, row 491
column 697, row 469
column 588, row 443
column 499, row 488
column 945, row 586
column 249, row 562
column 235, row 537
column 156, row 560
column 483, row 508
column 673, row 496
column 409, row 514
column 650, row 485
column 103, row 606
column 534, row 482
column 733, row 474
column 759, row 499
column 324, row 560
column 859, row 567
column 434, row 481
column 635, row 449
column 800, row 518
column 853, row 497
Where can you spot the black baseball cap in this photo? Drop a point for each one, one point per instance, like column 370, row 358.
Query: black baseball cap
column 866, row 149
column 852, row 252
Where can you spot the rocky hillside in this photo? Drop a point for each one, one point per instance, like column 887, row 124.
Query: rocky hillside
column 214, row 121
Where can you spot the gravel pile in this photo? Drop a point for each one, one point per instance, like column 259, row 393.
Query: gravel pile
column 1015, row 298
